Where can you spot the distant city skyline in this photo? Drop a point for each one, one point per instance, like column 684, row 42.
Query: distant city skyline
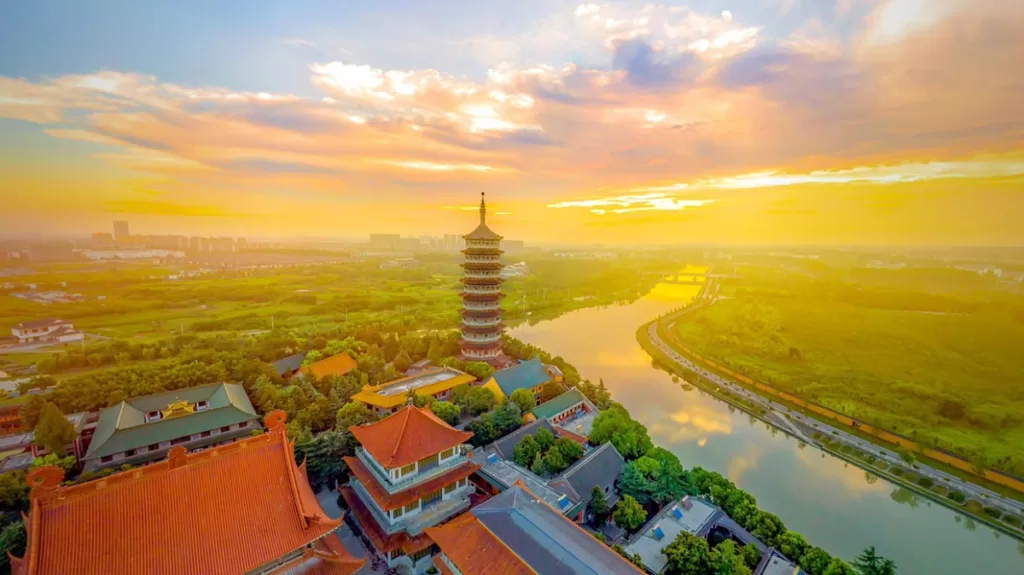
column 757, row 121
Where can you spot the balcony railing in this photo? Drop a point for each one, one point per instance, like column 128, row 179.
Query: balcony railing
column 396, row 485
column 428, row 516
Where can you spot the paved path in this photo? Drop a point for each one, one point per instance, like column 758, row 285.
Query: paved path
column 790, row 420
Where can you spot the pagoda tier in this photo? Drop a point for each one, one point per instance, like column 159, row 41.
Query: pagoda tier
column 482, row 281
column 482, row 266
column 482, row 297
column 492, row 313
column 480, row 345
column 495, row 328
column 482, row 252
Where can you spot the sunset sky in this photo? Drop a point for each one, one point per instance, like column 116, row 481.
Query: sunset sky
column 771, row 121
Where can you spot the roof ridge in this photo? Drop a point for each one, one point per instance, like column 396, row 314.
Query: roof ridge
column 585, row 459
column 401, row 432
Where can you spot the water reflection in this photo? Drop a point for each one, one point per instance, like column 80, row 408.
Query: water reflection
column 834, row 504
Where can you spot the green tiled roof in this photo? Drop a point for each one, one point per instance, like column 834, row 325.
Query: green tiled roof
column 526, row 375
column 558, row 404
column 123, row 426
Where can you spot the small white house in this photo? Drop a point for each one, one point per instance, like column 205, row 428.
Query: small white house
column 46, row 330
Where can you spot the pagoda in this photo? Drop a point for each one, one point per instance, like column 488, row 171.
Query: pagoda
column 240, row 508
column 481, row 294
column 411, row 472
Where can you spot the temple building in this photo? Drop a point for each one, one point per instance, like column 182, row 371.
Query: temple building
column 517, row 533
column 241, row 508
column 410, row 473
column 481, row 294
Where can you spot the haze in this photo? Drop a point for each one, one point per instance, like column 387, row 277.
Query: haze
column 771, row 121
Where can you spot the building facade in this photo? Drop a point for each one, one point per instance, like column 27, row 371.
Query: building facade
column 481, row 294
column 144, row 429
column 389, row 397
column 46, row 331
column 411, row 472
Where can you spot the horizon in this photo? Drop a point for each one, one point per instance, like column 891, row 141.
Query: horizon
column 757, row 122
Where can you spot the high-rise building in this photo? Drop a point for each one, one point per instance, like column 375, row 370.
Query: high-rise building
column 411, row 472
column 121, row 230
column 481, row 294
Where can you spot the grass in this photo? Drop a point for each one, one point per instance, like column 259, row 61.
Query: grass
column 954, row 379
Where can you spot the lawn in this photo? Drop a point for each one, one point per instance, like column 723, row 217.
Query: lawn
column 951, row 380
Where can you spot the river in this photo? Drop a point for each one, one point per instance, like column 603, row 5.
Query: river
column 835, row 505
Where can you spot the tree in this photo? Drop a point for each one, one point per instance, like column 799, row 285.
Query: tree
column 726, row 560
column 629, row 437
column 13, row 491
column 30, row 411
column 629, row 514
column 527, row 450
column 554, row 461
column 67, row 463
column 633, row 483
column 324, row 453
column 524, row 399
column 507, row 418
column 545, row 439
column 793, row 545
column 479, row 369
column 838, row 567
column 538, row 464
column 870, row 563
column 476, row 400
column 483, row 431
column 815, row 561
column 353, row 414
column 402, row 361
column 570, row 450
column 648, row 466
column 434, row 352
column 448, row 412
column 751, row 556
column 767, row 527
column 599, row 506
column 54, row 431
column 12, row 540
column 312, row 357
column 688, row 555
column 551, row 390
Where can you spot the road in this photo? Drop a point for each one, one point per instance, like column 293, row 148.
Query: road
column 792, row 421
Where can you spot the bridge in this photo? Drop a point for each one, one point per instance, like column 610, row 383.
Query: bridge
column 683, row 279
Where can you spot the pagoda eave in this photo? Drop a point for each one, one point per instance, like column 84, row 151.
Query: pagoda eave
column 481, row 345
column 483, row 329
column 496, row 280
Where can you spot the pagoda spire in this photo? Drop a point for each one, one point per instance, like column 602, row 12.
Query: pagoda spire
column 483, row 210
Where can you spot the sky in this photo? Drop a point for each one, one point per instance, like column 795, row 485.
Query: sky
column 747, row 121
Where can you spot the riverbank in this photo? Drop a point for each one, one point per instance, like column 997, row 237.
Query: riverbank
column 833, row 501
column 830, row 440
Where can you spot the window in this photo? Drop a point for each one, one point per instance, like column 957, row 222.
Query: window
column 204, row 434
column 225, row 429
column 180, row 440
column 130, row 453
column 396, row 513
column 106, row 459
column 243, row 424
column 411, row 468
column 449, row 488
column 412, row 507
column 154, row 447
column 201, row 405
column 152, row 416
column 447, row 453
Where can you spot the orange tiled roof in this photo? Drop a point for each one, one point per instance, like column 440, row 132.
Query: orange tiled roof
column 327, row 557
column 382, row 541
column 475, row 550
column 224, row 510
column 388, row 501
column 335, row 365
column 411, row 434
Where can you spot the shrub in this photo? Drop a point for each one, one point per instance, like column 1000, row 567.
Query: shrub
column 926, row 482
column 941, row 490
column 897, row 471
column 957, row 496
column 882, row 465
column 993, row 512
column 1012, row 520
column 974, row 506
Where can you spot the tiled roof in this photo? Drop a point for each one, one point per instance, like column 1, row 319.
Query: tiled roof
column 327, row 557
column 289, row 364
column 123, row 426
column 382, row 541
column 482, row 232
column 544, row 539
column 408, row 436
column 559, row 404
column 526, row 375
column 388, row 501
column 506, row 446
column 40, row 323
column 600, row 467
column 335, row 365
column 225, row 510
column 395, row 393
column 475, row 550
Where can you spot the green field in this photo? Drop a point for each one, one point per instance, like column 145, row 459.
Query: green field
column 950, row 379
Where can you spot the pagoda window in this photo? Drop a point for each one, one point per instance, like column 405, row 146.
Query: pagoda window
column 407, row 470
column 452, row 487
column 412, row 507
column 447, row 453
column 396, row 513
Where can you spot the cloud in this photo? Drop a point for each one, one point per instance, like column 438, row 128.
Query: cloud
column 633, row 203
